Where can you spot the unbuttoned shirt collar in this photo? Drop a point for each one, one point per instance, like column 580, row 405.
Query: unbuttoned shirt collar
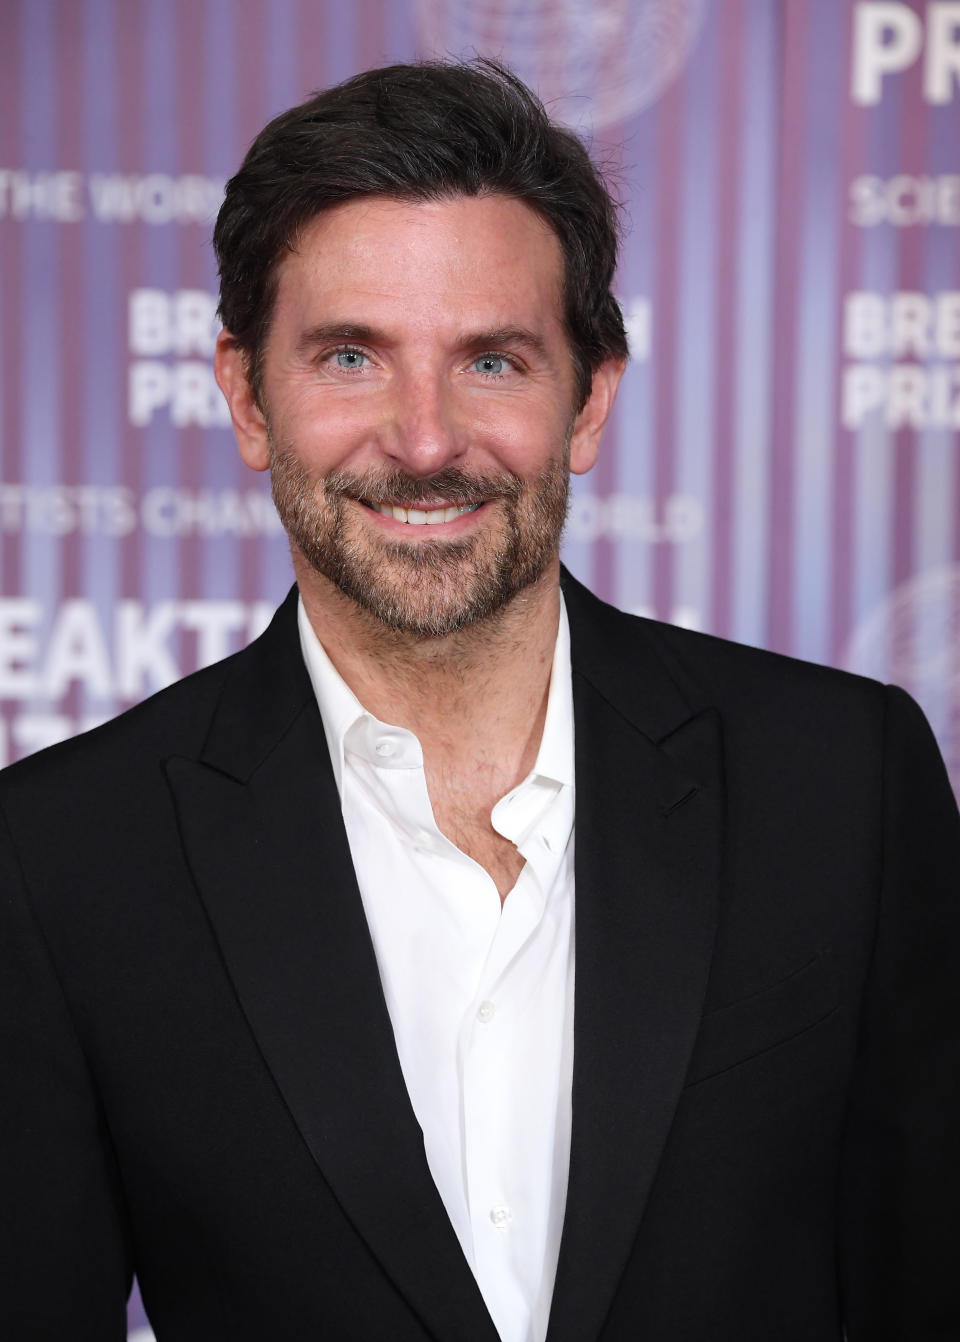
column 349, row 727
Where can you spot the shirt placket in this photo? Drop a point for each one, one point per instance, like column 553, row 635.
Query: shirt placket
column 494, row 1196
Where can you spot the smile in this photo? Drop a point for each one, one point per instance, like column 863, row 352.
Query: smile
column 419, row 517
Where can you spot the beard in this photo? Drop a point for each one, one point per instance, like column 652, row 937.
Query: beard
column 427, row 588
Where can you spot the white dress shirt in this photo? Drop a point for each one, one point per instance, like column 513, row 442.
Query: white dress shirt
column 480, row 998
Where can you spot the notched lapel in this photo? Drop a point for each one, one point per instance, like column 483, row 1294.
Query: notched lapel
column 648, row 833
column 270, row 857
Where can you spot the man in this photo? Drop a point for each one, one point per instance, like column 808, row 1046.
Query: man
column 296, row 1022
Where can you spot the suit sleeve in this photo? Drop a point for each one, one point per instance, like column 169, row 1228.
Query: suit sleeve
column 900, row 1192
column 64, row 1258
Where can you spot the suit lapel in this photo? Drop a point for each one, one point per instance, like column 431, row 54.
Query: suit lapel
column 261, row 825
column 647, row 851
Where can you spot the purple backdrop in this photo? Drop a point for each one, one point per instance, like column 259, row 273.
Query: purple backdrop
column 782, row 468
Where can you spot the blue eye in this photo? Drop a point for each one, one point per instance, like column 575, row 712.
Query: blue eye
column 350, row 359
column 491, row 364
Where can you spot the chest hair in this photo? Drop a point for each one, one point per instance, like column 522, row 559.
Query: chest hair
column 462, row 803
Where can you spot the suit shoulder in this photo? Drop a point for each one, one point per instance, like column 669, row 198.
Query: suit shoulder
column 794, row 702
column 705, row 667
column 172, row 721
column 827, row 728
column 699, row 657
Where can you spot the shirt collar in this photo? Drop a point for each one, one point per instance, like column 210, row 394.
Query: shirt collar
column 555, row 756
column 340, row 708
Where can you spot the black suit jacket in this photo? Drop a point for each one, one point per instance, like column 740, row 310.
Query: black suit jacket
column 200, row 1077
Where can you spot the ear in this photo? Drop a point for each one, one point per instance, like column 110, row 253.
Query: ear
column 588, row 426
column 249, row 424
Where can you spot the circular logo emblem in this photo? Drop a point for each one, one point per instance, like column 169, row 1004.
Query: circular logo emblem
column 913, row 639
column 591, row 63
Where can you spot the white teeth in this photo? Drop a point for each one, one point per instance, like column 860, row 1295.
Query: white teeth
column 418, row 518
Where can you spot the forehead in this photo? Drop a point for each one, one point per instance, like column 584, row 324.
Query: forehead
column 470, row 259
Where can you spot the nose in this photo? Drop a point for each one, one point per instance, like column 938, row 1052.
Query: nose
column 425, row 431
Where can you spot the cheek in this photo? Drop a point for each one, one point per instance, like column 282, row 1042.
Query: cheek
column 525, row 436
column 321, row 432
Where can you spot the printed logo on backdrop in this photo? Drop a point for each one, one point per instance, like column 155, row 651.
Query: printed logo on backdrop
column 890, row 36
column 109, row 657
column 904, row 352
column 912, row 638
column 905, row 200
column 598, row 63
column 172, row 337
column 68, row 197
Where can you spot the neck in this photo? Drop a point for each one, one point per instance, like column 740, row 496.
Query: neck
column 479, row 693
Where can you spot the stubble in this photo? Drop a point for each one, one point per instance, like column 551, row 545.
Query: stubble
column 426, row 588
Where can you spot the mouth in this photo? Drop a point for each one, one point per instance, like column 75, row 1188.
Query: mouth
column 435, row 515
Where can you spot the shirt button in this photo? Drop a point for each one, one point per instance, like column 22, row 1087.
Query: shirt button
column 501, row 1217
column 485, row 1012
column 423, row 839
column 385, row 748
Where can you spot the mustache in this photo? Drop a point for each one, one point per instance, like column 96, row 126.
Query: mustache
column 451, row 485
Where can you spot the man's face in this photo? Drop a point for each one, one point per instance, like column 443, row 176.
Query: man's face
column 418, row 400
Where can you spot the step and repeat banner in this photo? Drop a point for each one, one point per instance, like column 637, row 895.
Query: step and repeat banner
column 782, row 467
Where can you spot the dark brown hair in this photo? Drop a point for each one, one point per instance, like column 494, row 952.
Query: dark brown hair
column 425, row 131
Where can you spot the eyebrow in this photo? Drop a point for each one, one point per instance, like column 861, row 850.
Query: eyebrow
column 516, row 337
column 319, row 335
